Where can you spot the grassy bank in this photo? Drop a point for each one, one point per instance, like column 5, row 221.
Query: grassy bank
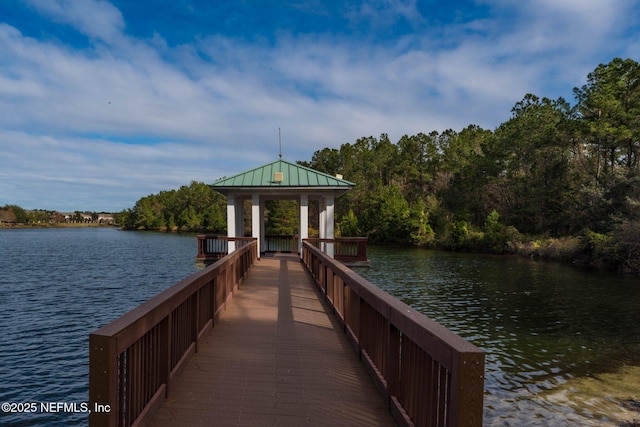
column 617, row 250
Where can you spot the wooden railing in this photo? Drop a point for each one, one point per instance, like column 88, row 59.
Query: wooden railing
column 430, row 375
column 345, row 249
column 280, row 243
column 134, row 359
column 212, row 246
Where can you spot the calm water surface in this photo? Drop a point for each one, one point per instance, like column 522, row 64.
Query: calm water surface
column 59, row 285
column 561, row 341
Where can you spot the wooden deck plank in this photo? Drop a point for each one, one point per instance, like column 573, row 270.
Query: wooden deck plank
column 275, row 358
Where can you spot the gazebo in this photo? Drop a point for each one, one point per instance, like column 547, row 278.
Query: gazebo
column 281, row 180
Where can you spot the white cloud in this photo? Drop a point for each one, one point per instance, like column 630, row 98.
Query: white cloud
column 110, row 124
column 108, row 175
column 97, row 19
column 381, row 14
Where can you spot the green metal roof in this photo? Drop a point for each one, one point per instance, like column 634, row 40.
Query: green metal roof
column 293, row 175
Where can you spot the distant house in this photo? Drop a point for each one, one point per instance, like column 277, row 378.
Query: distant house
column 106, row 219
column 57, row 217
column 68, row 216
column 76, row 217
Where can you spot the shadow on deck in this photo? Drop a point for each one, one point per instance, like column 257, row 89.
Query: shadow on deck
column 276, row 356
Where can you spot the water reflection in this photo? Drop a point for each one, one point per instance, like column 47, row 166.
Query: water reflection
column 542, row 324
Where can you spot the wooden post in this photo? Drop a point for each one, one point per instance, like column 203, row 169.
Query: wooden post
column 103, row 380
column 466, row 404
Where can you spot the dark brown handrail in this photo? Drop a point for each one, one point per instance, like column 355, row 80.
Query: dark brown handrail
column 134, row 359
column 346, row 249
column 214, row 246
column 280, row 243
column 431, row 376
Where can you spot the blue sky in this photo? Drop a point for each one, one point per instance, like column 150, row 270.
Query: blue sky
column 103, row 102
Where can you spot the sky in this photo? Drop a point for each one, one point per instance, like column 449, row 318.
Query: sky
column 103, row 102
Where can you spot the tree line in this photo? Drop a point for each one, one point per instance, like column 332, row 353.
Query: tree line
column 190, row 208
column 555, row 180
column 16, row 215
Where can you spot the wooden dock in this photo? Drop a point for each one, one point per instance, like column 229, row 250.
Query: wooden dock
column 276, row 357
column 282, row 340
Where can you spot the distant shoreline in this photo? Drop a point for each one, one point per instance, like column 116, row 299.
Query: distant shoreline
column 7, row 226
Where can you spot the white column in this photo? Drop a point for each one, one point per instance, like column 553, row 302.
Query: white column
column 322, row 221
column 231, row 221
column 304, row 221
column 256, row 219
column 329, row 223
column 262, row 228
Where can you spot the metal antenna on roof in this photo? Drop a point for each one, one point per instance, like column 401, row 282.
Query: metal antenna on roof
column 280, row 141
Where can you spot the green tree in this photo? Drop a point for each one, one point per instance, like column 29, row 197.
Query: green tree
column 420, row 231
column 467, row 161
column 147, row 214
column 497, row 237
column 214, row 220
column 389, row 219
column 536, row 149
column 171, row 223
column 7, row 214
column 327, row 160
column 189, row 219
column 282, row 217
column 19, row 213
column 458, row 235
column 348, row 225
column 609, row 105
column 411, row 168
column 38, row 216
column 194, row 207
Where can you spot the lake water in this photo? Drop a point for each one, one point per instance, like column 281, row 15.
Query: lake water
column 59, row 285
column 563, row 343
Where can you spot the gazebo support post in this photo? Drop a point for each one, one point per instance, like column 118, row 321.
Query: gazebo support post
column 231, row 222
column 329, row 217
column 303, row 232
column 256, row 220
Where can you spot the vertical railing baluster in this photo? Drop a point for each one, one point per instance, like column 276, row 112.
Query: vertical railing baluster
column 418, row 384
